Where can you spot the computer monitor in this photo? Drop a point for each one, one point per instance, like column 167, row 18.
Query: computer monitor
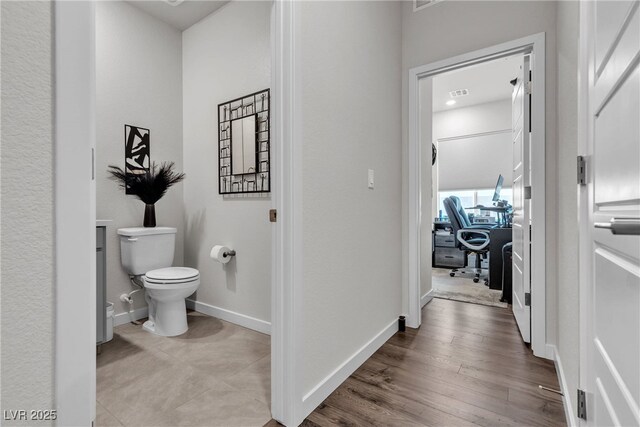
column 496, row 194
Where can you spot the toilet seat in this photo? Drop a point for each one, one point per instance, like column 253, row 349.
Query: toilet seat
column 171, row 276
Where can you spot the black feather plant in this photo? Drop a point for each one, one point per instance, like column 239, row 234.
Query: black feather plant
column 149, row 187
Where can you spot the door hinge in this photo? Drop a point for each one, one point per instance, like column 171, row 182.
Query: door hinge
column 529, row 87
column 273, row 215
column 527, row 299
column 582, row 170
column 527, row 192
column 582, row 404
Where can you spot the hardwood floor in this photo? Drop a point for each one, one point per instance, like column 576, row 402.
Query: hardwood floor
column 466, row 365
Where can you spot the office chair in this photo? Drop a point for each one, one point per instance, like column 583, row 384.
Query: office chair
column 468, row 237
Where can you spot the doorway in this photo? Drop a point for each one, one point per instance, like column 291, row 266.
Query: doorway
column 75, row 263
column 472, row 167
column 421, row 198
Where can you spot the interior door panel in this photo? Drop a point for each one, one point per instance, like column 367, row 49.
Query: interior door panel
column 521, row 214
column 612, row 273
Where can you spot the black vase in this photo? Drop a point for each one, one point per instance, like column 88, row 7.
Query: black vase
column 149, row 216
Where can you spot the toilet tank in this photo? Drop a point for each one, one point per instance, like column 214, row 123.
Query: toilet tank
column 144, row 249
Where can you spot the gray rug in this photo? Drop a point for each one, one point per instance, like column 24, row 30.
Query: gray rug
column 462, row 288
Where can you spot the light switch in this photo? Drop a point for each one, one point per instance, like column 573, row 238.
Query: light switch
column 370, row 178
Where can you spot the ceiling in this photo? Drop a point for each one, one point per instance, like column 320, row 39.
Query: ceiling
column 181, row 16
column 486, row 82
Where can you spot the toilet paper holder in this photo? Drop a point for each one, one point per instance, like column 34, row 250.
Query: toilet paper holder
column 229, row 253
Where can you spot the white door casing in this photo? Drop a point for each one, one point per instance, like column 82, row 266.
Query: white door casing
column 521, row 206
column 534, row 44
column 610, row 259
column 75, row 214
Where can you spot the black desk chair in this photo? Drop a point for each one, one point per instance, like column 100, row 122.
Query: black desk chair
column 468, row 237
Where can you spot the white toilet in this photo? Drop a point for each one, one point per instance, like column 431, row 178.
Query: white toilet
column 148, row 252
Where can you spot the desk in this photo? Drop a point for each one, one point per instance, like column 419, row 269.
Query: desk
column 504, row 210
column 499, row 237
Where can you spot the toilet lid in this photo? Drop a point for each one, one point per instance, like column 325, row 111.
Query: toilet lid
column 172, row 274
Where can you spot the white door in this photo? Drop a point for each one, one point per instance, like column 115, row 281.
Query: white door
column 610, row 213
column 521, row 206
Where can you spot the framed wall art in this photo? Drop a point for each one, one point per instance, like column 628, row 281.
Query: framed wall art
column 244, row 139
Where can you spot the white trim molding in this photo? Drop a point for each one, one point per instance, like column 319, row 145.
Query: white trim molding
column 128, row 317
column 325, row 387
column 75, row 214
column 230, row 316
column 426, row 298
column 287, row 244
column 567, row 402
column 474, row 135
column 534, row 44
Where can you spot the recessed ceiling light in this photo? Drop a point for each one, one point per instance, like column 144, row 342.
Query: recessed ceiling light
column 459, row 92
column 451, row 102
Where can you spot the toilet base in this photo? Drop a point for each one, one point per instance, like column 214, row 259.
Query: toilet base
column 167, row 308
column 149, row 326
column 167, row 319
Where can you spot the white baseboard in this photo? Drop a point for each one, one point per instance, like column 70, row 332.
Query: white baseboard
column 424, row 300
column 123, row 318
column 550, row 352
column 567, row 401
column 230, row 316
column 325, row 387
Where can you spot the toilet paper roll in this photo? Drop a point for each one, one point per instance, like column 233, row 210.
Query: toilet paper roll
column 217, row 253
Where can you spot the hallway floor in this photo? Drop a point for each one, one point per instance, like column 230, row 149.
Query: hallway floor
column 216, row 374
column 462, row 288
column 465, row 365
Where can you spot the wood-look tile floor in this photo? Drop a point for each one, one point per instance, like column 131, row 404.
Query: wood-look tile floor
column 466, row 365
column 216, row 374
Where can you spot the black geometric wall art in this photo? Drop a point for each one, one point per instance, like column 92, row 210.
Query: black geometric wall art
column 244, row 166
column 136, row 150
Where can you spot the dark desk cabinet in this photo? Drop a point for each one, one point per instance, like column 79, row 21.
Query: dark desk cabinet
column 445, row 253
column 499, row 237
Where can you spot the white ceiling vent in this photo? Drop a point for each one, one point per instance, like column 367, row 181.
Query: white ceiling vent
column 421, row 4
column 458, row 93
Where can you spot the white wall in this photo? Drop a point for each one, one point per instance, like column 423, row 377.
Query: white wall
column 138, row 82
column 453, row 28
column 225, row 56
column 480, row 118
column 481, row 157
column 568, row 346
column 348, row 64
column 27, row 274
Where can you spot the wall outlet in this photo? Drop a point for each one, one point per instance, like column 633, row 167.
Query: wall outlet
column 370, row 179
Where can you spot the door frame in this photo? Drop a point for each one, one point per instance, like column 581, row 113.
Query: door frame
column 75, row 98
column 75, row 214
column 534, row 44
column 287, row 244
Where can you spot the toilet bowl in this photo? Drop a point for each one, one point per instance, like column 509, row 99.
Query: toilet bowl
column 166, row 290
